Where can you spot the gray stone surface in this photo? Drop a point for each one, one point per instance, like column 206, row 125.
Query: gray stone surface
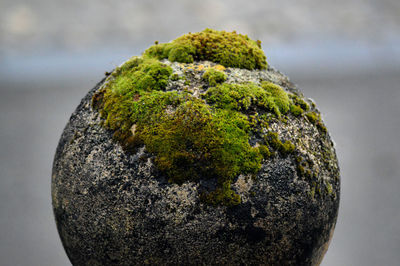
column 114, row 208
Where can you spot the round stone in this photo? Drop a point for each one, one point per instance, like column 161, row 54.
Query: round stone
column 192, row 155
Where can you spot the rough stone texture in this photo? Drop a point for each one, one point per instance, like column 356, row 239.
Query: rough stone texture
column 114, row 208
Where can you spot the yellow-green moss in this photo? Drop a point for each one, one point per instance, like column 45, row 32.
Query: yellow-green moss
column 296, row 110
column 284, row 148
column 315, row 119
column 214, row 77
column 278, row 100
column 139, row 75
column 129, row 83
column 241, row 96
column 196, row 141
column 272, row 139
column 312, row 117
column 189, row 138
column 287, row 147
column 264, row 151
column 321, row 127
column 305, row 168
column 222, row 195
column 174, row 77
column 195, row 138
column 226, row 48
column 300, row 102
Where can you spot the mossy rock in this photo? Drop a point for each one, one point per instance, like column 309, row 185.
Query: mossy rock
column 177, row 161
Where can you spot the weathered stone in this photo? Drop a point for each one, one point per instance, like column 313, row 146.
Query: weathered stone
column 115, row 207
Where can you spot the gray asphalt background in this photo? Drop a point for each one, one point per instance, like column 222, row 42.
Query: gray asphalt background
column 345, row 55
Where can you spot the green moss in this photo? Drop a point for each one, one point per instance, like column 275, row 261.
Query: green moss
column 129, row 83
column 189, row 138
column 269, row 96
column 313, row 105
column 287, row 147
column 312, row 117
column 301, row 170
column 199, row 138
column 284, row 148
column 196, row 141
column 264, row 151
column 226, row 48
column 304, row 172
column 223, row 195
column 278, row 99
column 214, row 77
column 296, row 110
column 315, row 119
column 174, row 77
column 138, row 75
column 297, row 100
column 129, row 64
column 321, row 127
column 233, row 96
column 305, row 168
column 272, row 139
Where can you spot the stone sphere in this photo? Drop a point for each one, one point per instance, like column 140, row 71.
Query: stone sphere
column 196, row 152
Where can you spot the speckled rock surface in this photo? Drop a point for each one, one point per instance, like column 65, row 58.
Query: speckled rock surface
column 116, row 208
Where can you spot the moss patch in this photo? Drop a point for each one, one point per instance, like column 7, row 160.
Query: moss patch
column 197, row 141
column 118, row 100
column 214, row 77
column 222, row 195
column 189, row 138
column 269, row 96
column 300, row 102
column 312, row 117
column 226, row 48
column 278, row 100
column 198, row 136
column 304, row 167
column 296, row 110
column 264, row 151
column 315, row 119
column 284, row 148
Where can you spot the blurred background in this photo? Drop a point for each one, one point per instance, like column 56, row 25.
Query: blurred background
column 344, row 54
